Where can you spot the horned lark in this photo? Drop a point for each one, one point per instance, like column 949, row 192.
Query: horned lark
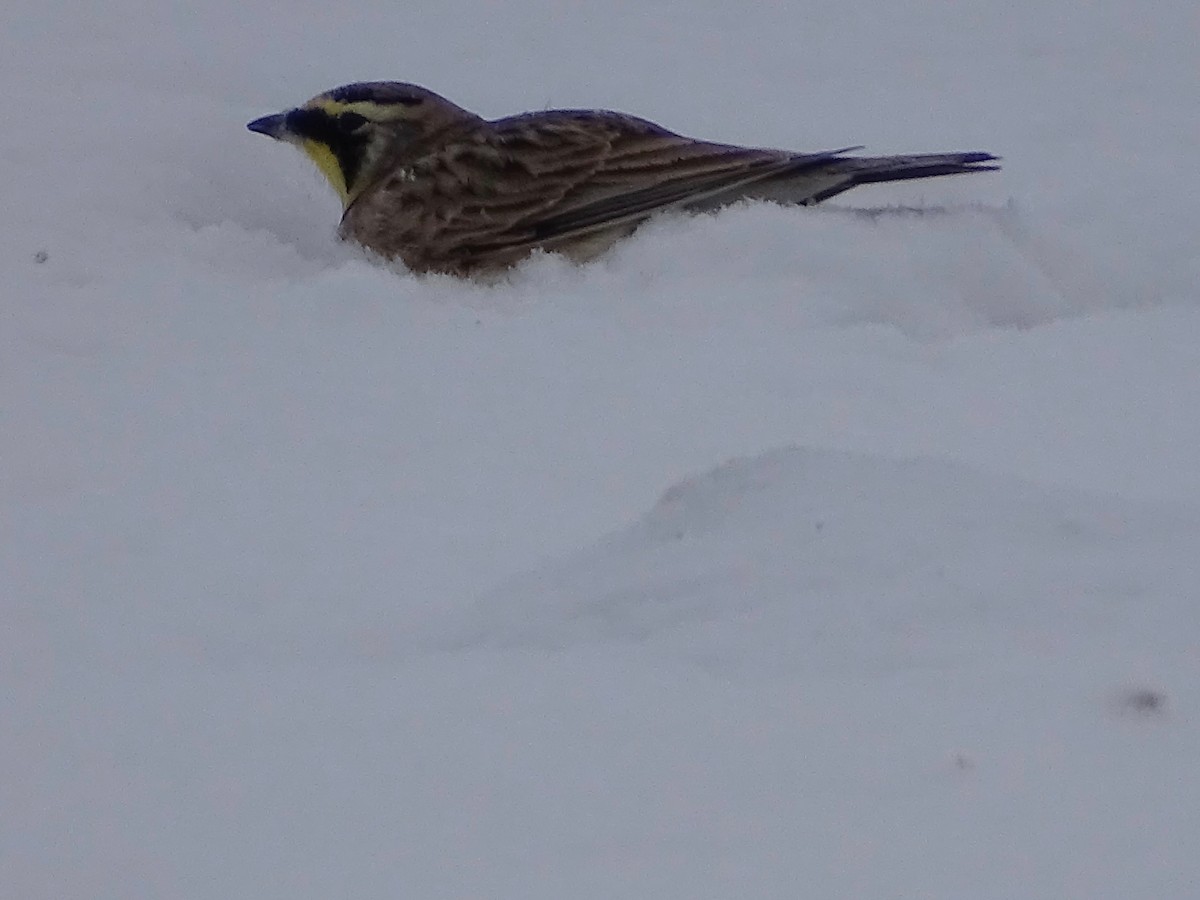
column 443, row 190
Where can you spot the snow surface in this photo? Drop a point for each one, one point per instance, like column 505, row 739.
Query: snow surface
column 781, row 553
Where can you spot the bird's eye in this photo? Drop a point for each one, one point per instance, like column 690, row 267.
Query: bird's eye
column 349, row 122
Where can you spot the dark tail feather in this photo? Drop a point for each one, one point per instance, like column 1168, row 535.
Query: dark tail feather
column 898, row 168
column 811, row 178
column 854, row 171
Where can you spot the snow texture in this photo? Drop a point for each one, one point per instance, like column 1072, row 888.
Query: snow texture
column 319, row 579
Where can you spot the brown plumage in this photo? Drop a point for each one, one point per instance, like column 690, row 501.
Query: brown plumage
column 443, row 190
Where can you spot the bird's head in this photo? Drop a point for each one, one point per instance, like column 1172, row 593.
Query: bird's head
column 350, row 131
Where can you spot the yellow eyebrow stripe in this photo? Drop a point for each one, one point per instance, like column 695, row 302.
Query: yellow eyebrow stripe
column 368, row 109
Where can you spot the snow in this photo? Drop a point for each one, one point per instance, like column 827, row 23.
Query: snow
column 844, row 552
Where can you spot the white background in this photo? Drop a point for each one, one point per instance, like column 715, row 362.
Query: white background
column 781, row 553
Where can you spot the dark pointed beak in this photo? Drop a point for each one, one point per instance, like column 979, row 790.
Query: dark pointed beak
column 272, row 126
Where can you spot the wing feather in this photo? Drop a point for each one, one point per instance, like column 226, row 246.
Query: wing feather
column 508, row 185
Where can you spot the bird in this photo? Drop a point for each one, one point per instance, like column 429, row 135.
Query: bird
column 443, row 190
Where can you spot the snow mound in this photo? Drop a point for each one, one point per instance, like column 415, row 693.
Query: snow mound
column 817, row 560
